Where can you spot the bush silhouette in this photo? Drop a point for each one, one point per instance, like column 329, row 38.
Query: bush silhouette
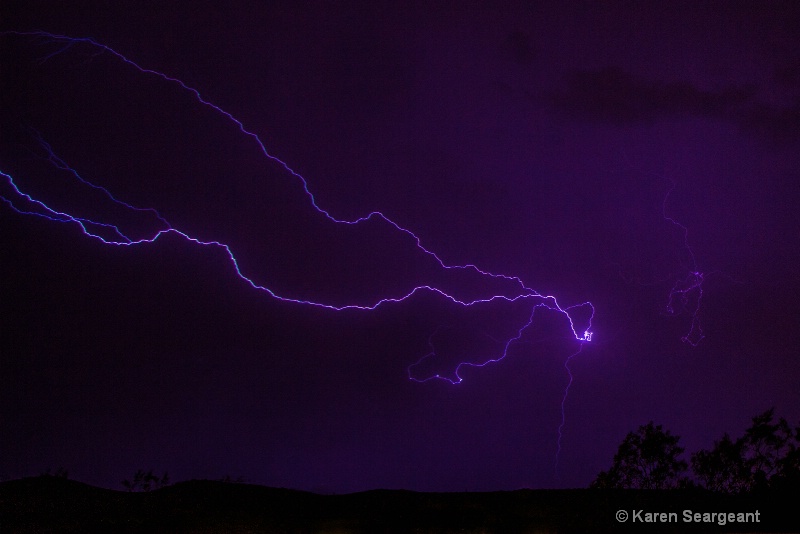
column 647, row 459
column 58, row 473
column 142, row 481
column 767, row 454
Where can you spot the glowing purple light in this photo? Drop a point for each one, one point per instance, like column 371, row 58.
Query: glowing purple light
column 109, row 233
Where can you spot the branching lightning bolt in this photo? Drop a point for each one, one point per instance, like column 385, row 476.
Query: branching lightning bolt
column 112, row 234
column 587, row 336
column 687, row 292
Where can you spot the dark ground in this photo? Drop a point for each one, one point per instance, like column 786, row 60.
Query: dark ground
column 52, row 504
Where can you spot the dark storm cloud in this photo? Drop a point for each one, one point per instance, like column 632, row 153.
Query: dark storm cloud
column 519, row 47
column 788, row 76
column 778, row 124
column 619, row 97
column 613, row 95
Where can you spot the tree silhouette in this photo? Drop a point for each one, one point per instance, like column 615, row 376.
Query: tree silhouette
column 765, row 446
column 722, row 468
column 647, row 459
column 58, row 473
column 142, row 481
column 766, row 454
column 789, row 466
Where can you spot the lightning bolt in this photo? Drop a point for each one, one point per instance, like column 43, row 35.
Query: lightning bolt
column 687, row 292
column 103, row 230
column 563, row 406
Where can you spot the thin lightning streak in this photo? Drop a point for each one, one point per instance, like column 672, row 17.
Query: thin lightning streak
column 563, row 406
column 92, row 228
column 587, row 336
column 58, row 216
column 240, row 125
column 688, row 288
column 686, row 293
column 60, row 164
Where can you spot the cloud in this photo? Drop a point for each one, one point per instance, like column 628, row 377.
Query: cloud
column 615, row 96
column 781, row 125
column 518, row 46
column 788, row 76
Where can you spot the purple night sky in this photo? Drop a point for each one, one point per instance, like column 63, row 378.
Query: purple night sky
column 601, row 152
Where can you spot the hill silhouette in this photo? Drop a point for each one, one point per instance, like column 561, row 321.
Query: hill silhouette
column 53, row 504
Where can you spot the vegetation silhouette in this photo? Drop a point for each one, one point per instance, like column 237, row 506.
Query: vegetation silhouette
column 648, row 458
column 142, row 481
column 752, row 474
column 766, row 456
